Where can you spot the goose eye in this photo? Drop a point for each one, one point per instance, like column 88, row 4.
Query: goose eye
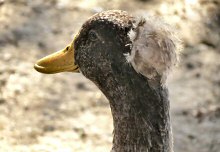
column 92, row 35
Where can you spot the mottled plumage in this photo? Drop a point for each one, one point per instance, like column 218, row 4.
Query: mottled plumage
column 103, row 49
column 128, row 59
column 152, row 46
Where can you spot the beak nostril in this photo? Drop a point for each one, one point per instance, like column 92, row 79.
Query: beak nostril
column 66, row 49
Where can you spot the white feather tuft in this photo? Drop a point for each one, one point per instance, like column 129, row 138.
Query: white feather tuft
column 132, row 35
column 155, row 48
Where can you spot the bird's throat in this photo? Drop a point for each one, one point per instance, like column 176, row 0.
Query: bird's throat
column 140, row 114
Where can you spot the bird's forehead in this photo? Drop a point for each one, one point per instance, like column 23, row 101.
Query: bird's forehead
column 116, row 17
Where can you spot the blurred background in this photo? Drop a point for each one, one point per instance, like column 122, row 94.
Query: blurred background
column 66, row 112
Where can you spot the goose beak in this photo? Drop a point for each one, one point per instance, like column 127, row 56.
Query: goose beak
column 61, row 61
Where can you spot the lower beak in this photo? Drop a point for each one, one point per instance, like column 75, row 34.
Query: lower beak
column 61, row 61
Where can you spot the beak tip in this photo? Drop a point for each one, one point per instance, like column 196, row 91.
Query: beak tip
column 37, row 67
column 41, row 69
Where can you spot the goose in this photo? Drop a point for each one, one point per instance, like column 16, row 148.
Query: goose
column 128, row 58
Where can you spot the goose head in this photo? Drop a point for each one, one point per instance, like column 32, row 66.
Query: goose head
column 128, row 58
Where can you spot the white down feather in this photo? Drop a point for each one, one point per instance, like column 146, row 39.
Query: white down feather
column 155, row 48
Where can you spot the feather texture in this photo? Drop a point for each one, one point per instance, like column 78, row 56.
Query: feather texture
column 155, row 48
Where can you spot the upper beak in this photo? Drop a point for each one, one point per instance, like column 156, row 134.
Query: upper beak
column 61, row 61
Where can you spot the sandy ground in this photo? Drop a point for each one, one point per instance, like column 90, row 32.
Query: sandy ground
column 66, row 112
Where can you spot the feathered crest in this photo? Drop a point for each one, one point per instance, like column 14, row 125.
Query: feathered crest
column 155, row 48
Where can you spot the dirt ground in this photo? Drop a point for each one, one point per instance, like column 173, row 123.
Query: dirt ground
column 66, row 112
